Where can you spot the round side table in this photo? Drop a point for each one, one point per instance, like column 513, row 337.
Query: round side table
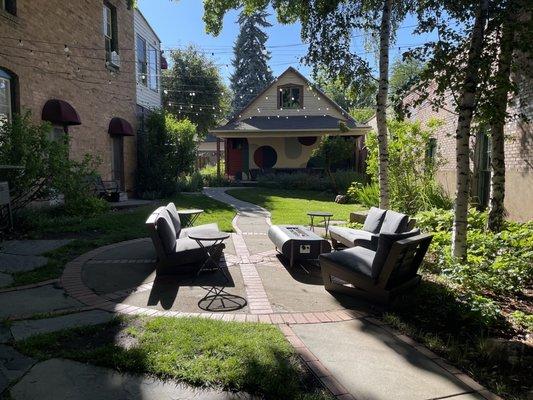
column 326, row 217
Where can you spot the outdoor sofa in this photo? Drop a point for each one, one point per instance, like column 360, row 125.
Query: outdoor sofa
column 377, row 221
column 176, row 252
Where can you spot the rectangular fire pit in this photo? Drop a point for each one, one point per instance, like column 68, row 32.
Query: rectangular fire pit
column 298, row 243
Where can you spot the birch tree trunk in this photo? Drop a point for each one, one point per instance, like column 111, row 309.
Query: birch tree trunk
column 381, row 103
column 497, row 124
column 467, row 103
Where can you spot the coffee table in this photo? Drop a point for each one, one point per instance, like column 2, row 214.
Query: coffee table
column 326, row 216
column 212, row 242
column 189, row 217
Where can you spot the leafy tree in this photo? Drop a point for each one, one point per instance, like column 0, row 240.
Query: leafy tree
column 346, row 96
column 327, row 26
column 166, row 151
column 194, row 89
column 251, row 71
column 332, row 150
column 404, row 74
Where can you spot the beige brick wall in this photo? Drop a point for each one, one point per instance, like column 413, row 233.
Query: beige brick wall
column 84, row 81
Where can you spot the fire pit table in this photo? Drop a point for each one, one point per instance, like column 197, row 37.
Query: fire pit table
column 298, row 243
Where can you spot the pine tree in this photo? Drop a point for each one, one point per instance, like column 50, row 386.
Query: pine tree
column 251, row 71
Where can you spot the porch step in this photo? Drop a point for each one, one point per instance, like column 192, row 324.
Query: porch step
column 123, row 196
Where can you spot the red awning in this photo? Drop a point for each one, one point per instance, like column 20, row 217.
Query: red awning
column 120, row 127
column 60, row 112
column 164, row 62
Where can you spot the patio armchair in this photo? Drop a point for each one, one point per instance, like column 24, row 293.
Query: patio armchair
column 175, row 254
column 377, row 221
column 377, row 275
column 108, row 190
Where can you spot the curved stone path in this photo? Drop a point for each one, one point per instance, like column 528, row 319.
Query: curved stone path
column 355, row 355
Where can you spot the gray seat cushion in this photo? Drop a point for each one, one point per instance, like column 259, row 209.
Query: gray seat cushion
column 188, row 251
column 174, row 217
column 394, row 222
column 385, row 242
column 374, row 219
column 165, row 231
column 354, row 237
column 357, row 259
column 198, row 229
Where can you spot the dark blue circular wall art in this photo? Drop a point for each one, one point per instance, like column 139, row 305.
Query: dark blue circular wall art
column 265, row 157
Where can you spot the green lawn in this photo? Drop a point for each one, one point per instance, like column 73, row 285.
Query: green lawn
column 254, row 358
column 110, row 227
column 291, row 206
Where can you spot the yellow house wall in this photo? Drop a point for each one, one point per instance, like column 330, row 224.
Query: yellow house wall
column 283, row 147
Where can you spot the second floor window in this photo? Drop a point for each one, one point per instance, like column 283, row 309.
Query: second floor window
column 110, row 30
column 6, row 100
column 152, row 66
column 290, row 96
column 142, row 61
column 9, row 6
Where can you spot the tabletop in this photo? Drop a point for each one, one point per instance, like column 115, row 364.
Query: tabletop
column 191, row 211
column 320, row 214
column 208, row 235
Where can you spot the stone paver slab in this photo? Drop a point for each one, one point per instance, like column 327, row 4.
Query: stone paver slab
column 63, row 379
column 5, row 280
column 12, row 365
column 111, row 277
column 5, row 334
column 32, row 247
column 20, row 263
column 23, row 329
column 37, row 300
column 373, row 365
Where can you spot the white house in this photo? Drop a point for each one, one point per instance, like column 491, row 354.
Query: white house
column 149, row 63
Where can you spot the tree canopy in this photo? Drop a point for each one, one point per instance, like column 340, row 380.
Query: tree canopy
column 194, row 89
column 251, row 71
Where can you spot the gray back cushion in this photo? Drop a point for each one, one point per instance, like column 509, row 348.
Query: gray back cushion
column 166, row 231
column 385, row 242
column 394, row 222
column 174, row 217
column 374, row 219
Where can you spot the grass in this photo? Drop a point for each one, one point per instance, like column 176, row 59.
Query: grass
column 110, row 227
column 249, row 357
column 291, row 206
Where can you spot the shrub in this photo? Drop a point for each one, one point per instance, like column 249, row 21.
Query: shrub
column 190, row 183
column 309, row 181
column 500, row 263
column 166, row 151
column 210, row 178
column 412, row 183
column 47, row 169
column 366, row 195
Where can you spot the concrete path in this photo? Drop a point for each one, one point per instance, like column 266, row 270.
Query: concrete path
column 63, row 379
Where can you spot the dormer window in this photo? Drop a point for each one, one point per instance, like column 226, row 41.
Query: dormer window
column 290, row 96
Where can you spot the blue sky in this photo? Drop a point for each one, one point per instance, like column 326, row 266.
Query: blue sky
column 179, row 23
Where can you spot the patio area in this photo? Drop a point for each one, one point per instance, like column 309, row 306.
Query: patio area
column 337, row 337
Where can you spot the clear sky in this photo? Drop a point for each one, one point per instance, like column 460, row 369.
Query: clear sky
column 179, row 23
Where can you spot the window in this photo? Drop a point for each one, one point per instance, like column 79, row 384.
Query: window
column 152, row 66
column 9, row 6
column 290, row 96
column 431, row 150
column 110, row 30
column 6, row 97
column 142, row 68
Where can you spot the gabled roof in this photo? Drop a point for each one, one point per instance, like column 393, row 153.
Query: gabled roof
column 307, row 81
column 285, row 124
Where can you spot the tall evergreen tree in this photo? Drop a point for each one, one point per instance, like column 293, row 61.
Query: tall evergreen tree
column 251, row 71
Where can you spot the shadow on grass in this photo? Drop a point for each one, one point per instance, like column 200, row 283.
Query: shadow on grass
column 254, row 358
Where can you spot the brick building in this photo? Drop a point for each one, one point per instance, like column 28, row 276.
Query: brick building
column 73, row 63
column 518, row 152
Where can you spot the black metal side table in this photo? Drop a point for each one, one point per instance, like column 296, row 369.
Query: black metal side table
column 212, row 243
column 326, row 216
column 189, row 217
